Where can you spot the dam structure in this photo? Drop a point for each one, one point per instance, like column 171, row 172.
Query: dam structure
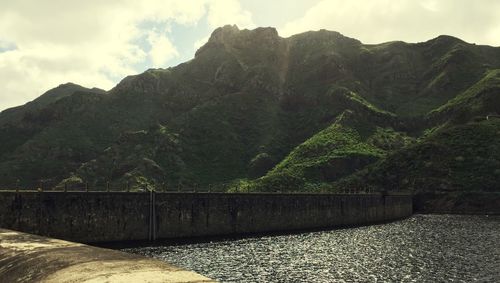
column 93, row 217
column 31, row 258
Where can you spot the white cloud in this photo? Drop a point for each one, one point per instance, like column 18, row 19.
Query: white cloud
column 6, row 46
column 223, row 12
column 162, row 50
column 92, row 42
column 376, row 21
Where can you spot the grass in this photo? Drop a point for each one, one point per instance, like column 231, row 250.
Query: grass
column 459, row 158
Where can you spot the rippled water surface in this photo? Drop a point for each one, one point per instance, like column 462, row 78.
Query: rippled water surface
column 423, row 248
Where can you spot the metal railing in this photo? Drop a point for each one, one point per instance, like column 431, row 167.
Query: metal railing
column 163, row 188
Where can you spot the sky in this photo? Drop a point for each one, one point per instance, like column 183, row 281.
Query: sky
column 97, row 43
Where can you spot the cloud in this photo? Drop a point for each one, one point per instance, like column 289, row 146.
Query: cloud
column 378, row 21
column 93, row 42
column 223, row 12
column 6, row 46
column 162, row 50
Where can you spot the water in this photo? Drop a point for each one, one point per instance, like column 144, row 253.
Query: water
column 423, row 248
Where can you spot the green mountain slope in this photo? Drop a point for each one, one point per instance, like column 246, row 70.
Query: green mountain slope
column 360, row 135
column 29, row 110
column 481, row 99
column 458, row 158
column 19, row 124
column 315, row 107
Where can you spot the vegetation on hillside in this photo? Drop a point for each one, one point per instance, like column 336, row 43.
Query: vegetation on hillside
column 458, row 158
column 315, row 111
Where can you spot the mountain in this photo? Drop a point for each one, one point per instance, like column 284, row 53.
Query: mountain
column 256, row 111
column 459, row 158
column 20, row 124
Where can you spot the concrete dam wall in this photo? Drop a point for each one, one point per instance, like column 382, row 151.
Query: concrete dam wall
column 123, row 216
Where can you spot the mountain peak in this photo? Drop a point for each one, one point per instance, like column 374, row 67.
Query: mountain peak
column 68, row 84
column 231, row 35
column 229, row 32
column 444, row 40
column 324, row 35
column 225, row 30
column 223, row 33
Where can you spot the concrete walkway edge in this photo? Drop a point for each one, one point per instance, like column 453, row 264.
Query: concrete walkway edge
column 31, row 258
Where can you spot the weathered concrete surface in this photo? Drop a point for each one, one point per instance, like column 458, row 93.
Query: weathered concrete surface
column 121, row 216
column 30, row 258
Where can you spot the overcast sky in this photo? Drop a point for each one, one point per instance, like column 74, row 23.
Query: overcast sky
column 96, row 43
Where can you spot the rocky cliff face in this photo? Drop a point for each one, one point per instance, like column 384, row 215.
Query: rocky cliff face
column 319, row 106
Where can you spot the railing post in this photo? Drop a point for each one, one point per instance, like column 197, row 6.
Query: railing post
column 128, row 186
column 107, row 186
column 87, row 187
column 152, row 215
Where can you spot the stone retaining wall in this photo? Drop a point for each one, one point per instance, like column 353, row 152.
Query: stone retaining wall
column 121, row 216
